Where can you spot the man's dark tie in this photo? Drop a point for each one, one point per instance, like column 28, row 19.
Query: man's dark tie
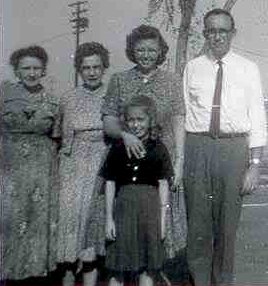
column 216, row 105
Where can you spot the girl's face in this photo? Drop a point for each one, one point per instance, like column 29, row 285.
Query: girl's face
column 138, row 122
column 92, row 71
column 30, row 71
column 146, row 53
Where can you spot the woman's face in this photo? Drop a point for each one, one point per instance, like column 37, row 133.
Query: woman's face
column 92, row 70
column 146, row 53
column 138, row 122
column 30, row 71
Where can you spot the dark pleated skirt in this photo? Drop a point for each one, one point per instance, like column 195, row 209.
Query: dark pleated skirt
column 138, row 244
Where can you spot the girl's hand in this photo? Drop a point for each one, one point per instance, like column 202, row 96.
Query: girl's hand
column 133, row 145
column 110, row 229
column 163, row 227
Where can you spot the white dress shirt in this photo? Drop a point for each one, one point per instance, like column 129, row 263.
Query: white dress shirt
column 242, row 102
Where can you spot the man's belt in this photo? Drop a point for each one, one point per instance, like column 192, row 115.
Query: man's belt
column 222, row 135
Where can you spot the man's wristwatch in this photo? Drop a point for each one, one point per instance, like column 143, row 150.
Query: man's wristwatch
column 255, row 161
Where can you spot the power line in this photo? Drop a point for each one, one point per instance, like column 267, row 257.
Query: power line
column 80, row 22
column 55, row 37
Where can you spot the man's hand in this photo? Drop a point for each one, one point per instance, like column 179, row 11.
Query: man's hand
column 110, row 229
column 133, row 145
column 178, row 172
column 251, row 181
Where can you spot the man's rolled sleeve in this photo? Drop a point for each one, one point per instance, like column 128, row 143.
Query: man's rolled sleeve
column 257, row 114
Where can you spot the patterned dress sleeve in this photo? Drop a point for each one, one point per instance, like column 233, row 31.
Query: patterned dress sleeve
column 67, row 131
column 1, row 109
column 112, row 97
column 14, row 107
column 1, row 119
column 56, row 128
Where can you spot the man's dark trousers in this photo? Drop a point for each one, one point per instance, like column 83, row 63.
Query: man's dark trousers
column 214, row 171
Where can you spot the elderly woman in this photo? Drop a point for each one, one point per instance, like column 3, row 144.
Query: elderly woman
column 29, row 118
column 147, row 49
column 81, row 155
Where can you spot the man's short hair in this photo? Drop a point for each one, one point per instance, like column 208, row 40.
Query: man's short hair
column 219, row 11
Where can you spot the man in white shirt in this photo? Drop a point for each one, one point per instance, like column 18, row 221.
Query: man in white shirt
column 226, row 130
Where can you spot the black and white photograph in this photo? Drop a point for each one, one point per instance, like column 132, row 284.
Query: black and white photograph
column 133, row 142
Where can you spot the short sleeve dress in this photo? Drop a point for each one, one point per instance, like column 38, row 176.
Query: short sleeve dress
column 82, row 152
column 28, row 165
column 137, row 210
column 166, row 91
column 163, row 87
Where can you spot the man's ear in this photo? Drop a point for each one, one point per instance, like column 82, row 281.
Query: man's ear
column 17, row 74
column 234, row 32
column 44, row 72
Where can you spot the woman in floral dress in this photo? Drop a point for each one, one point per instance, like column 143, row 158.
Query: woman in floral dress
column 82, row 152
column 147, row 49
column 29, row 203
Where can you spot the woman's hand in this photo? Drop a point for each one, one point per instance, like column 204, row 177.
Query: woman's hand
column 133, row 145
column 110, row 229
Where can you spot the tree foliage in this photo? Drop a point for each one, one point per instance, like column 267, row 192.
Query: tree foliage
column 187, row 10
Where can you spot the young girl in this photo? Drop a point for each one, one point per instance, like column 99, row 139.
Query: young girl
column 137, row 198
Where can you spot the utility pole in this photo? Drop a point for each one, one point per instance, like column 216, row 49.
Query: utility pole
column 80, row 24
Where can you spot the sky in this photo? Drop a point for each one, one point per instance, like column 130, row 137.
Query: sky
column 46, row 22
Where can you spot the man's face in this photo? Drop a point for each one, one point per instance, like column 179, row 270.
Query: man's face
column 219, row 34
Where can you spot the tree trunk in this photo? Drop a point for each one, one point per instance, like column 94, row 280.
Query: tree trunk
column 187, row 9
column 229, row 5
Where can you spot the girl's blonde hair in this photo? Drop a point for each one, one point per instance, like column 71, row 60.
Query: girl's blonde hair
column 149, row 108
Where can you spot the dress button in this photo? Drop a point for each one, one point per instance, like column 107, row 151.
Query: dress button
column 136, row 168
column 134, row 179
column 209, row 197
column 145, row 80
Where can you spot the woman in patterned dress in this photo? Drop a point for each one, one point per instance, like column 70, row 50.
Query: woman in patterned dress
column 29, row 203
column 82, row 151
column 147, row 49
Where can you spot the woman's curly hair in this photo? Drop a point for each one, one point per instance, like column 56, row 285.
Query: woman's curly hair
column 31, row 51
column 145, row 32
column 149, row 108
column 90, row 49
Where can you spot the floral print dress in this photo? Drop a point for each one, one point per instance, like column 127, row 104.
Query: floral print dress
column 28, row 166
column 82, row 154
